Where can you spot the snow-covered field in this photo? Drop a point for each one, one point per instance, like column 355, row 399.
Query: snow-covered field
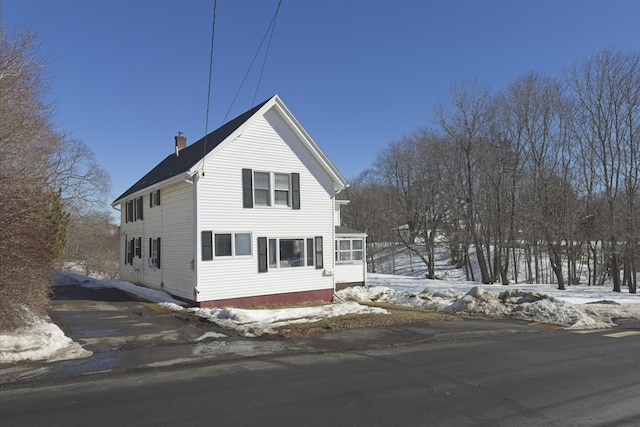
column 578, row 307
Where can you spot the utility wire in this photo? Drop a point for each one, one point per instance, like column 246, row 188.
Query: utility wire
column 266, row 55
column 269, row 28
column 206, row 122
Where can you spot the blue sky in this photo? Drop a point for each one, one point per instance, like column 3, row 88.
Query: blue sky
column 128, row 75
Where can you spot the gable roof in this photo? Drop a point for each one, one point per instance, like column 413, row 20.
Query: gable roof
column 180, row 165
column 174, row 164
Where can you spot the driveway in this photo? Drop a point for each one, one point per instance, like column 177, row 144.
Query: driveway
column 124, row 333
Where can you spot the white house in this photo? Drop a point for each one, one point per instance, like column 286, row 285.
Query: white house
column 246, row 215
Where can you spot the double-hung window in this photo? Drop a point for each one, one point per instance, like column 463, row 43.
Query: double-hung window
column 270, row 189
column 262, row 188
column 154, row 252
column 282, row 188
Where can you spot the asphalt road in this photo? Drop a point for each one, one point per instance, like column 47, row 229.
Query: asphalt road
column 550, row 378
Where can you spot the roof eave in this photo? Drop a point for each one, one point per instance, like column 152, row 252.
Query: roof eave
column 185, row 176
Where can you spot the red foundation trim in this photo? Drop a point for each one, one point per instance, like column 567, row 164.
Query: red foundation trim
column 289, row 298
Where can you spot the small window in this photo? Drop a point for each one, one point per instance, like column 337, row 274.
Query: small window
column 129, row 211
column 154, row 198
column 207, row 245
column 139, row 247
column 281, row 190
column 242, row 244
column 349, row 250
column 154, row 252
column 262, row 188
column 138, row 208
column 357, row 251
column 223, row 244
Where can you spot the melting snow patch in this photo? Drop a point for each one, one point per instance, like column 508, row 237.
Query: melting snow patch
column 253, row 323
column 41, row 341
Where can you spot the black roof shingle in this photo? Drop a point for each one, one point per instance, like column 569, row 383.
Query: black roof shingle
column 174, row 164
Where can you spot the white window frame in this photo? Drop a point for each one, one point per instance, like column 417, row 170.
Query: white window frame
column 274, row 251
column 349, row 255
column 234, row 244
column 153, row 256
column 273, row 189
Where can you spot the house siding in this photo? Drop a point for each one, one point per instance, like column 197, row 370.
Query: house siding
column 177, row 240
column 267, row 144
column 172, row 221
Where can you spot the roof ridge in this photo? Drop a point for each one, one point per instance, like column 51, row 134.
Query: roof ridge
column 173, row 164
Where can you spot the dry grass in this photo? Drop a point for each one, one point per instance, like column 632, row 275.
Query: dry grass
column 398, row 315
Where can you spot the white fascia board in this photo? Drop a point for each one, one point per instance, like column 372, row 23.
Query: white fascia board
column 176, row 178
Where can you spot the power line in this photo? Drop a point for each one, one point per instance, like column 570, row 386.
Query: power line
column 266, row 55
column 271, row 28
column 206, row 124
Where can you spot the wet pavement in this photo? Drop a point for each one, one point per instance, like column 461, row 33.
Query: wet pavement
column 124, row 333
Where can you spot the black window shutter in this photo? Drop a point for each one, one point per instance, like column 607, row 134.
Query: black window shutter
column 158, row 261
column 247, row 188
column 295, row 190
column 150, row 247
column 262, row 255
column 319, row 256
column 151, row 199
column 207, row 245
column 158, row 197
column 140, row 205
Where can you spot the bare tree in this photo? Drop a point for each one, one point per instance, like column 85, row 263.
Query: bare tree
column 369, row 210
column 412, row 169
column 468, row 123
column 606, row 87
column 43, row 175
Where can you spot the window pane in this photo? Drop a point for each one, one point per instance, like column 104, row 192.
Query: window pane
column 345, row 245
column 282, row 198
column 261, row 180
column 291, row 253
column 344, row 256
column 281, row 189
column 357, row 255
column 262, row 189
column 207, row 246
column 273, row 253
column 357, row 244
column 262, row 198
column 282, row 181
column 310, row 252
column 243, row 244
column 223, row 244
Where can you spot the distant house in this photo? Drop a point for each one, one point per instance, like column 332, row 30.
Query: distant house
column 246, row 215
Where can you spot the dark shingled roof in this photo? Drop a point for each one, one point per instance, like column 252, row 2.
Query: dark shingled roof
column 174, row 165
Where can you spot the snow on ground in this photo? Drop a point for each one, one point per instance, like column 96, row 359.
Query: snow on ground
column 253, row 323
column 578, row 307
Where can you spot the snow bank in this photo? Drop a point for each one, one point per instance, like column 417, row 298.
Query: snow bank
column 41, row 341
column 252, row 323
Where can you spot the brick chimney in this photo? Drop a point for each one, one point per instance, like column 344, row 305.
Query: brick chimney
column 181, row 142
